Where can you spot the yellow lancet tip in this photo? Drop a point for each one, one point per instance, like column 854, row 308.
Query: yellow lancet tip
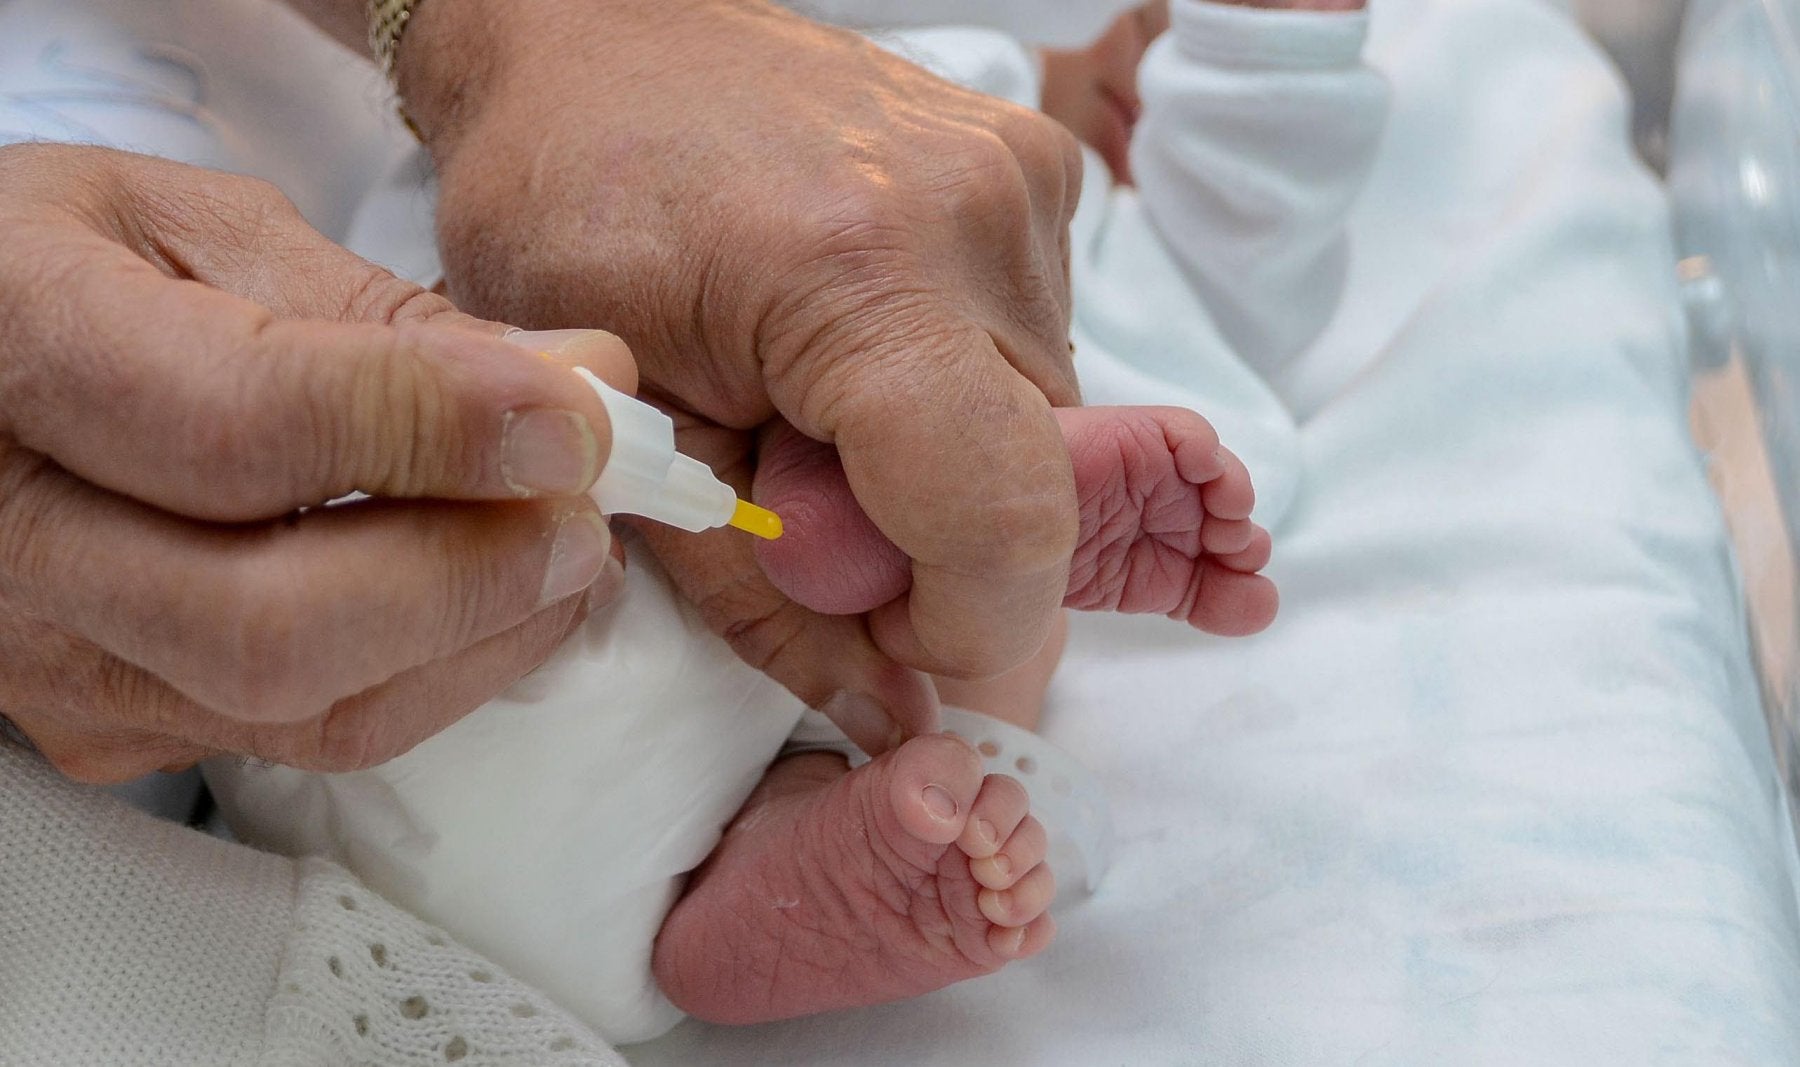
column 754, row 520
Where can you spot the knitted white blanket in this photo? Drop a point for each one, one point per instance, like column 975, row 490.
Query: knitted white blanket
column 128, row 940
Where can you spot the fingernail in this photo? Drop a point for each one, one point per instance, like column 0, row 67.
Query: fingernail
column 608, row 586
column 547, row 450
column 1011, row 941
column 566, row 343
column 985, row 831
column 859, row 716
column 582, row 549
column 939, row 802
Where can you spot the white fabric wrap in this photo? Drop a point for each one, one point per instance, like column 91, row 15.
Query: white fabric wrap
column 552, row 828
column 125, row 939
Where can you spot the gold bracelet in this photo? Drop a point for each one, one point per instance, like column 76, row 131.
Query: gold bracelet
column 387, row 22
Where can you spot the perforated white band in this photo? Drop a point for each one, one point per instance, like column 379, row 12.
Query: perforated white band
column 1065, row 796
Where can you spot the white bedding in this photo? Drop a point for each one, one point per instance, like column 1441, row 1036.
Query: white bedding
column 1495, row 789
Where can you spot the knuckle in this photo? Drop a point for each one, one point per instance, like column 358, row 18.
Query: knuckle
column 479, row 584
column 987, row 179
column 381, row 297
column 27, row 519
column 252, row 208
column 252, row 194
column 388, row 420
column 347, row 738
column 1035, row 139
column 222, row 223
column 260, row 207
column 373, row 418
column 1074, row 166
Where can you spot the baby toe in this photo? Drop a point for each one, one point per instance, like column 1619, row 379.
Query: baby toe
column 1018, row 942
column 1198, row 457
column 998, row 808
column 1231, row 495
column 1254, row 556
column 1225, row 537
column 932, row 784
column 1230, row 603
column 1026, row 900
column 1024, row 850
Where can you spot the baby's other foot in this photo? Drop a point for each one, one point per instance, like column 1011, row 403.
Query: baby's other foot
column 837, row 889
column 1164, row 513
column 1165, row 521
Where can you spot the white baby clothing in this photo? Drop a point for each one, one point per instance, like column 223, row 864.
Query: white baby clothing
column 1057, row 23
column 550, row 829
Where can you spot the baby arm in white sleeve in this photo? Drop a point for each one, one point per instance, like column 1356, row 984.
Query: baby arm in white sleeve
column 1065, row 23
column 1258, row 130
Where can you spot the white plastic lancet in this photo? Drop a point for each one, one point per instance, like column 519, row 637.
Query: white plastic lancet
column 644, row 475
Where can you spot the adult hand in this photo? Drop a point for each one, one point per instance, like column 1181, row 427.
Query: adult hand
column 787, row 224
column 184, row 366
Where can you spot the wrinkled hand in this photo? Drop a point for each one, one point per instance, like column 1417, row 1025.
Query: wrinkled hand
column 184, row 365
column 787, row 224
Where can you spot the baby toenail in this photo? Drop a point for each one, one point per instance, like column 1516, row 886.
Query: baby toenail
column 939, row 802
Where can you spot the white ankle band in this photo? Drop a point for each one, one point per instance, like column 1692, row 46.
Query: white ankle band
column 1065, row 796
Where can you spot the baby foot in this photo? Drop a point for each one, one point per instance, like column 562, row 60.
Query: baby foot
column 836, row 890
column 1165, row 521
column 1165, row 524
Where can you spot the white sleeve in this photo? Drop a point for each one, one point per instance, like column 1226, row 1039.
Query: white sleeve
column 1054, row 23
column 1259, row 128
